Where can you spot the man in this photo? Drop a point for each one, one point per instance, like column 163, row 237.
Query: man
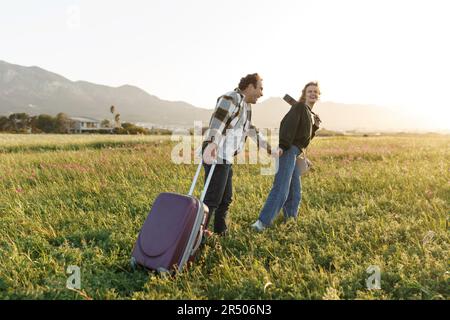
column 228, row 129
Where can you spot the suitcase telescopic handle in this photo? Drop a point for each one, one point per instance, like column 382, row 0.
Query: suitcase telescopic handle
column 208, row 179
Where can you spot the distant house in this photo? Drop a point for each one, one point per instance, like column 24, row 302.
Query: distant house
column 80, row 125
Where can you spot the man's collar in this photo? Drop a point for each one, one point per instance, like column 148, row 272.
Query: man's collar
column 241, row 93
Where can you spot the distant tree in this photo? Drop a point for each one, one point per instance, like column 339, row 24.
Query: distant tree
column 33, row 124
column 159, row 131
column 106, row 123
column 129, row 128
column 4, row 124
column 20, row 122
column 12, row 126
column 46, row 123
column 62, row 123
column 116, row 119
column 113, row 111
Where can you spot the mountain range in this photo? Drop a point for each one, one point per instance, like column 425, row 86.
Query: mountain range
column 34, row 90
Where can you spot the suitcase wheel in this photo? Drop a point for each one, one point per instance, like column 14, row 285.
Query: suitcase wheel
column 133, row 263
column 164, row 273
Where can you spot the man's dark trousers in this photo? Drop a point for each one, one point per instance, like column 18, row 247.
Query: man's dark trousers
column 219, row 194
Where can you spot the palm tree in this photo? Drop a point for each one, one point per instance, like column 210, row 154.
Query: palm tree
column 117, row 120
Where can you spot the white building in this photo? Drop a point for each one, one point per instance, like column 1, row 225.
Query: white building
column 85, row 124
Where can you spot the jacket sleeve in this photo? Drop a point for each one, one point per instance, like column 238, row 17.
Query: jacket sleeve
column 288, row 127
column 314, row 129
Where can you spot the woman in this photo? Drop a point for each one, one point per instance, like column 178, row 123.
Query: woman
column 296, row 131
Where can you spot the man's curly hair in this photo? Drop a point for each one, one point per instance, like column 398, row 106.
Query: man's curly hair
column 249, row 79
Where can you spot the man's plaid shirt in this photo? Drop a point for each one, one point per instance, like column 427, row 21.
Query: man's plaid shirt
column 231, row 121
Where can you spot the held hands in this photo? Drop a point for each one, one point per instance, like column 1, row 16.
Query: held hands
column 280, row 152
column 277, row 152
column 210, row 153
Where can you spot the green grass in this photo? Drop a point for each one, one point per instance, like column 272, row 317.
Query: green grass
column 81, row 200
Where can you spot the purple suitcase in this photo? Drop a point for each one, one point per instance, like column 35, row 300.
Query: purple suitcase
column 173, row 231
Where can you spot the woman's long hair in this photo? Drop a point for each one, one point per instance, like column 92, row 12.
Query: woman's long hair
column 303, row 96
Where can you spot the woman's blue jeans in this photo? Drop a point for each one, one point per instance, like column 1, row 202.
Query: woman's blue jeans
column 286, row 189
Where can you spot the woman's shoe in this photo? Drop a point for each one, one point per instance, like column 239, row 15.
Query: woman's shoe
column 258, row 226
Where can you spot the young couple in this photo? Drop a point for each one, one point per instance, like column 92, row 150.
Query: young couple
column 228, row 129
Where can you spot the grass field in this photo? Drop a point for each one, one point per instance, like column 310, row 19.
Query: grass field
column 81, row 200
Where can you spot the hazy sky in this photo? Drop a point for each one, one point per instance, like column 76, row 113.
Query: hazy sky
column 393, row 53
